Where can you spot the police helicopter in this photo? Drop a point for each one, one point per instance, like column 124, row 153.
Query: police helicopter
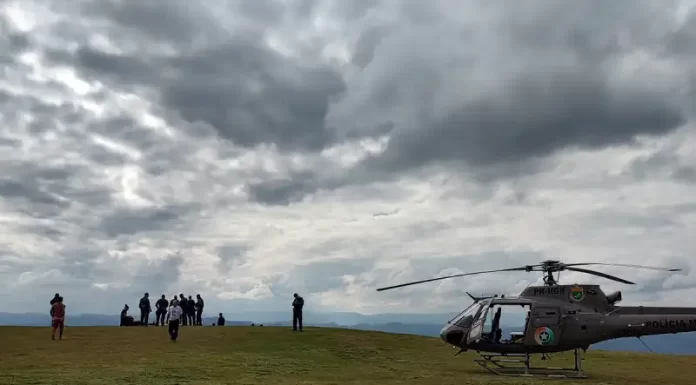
column 559, row 318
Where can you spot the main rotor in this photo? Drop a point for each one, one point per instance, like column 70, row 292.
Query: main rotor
column 548, row 268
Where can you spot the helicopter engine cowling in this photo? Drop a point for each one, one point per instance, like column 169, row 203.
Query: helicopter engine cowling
column 614, row 297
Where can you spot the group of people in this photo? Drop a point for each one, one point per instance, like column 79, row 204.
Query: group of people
column 191, row 310
column 176, row 312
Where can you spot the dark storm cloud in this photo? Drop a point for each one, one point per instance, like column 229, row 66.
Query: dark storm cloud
column 561, row 89
column 129, row 222
column 246, row 92
column 282, row 191
column 663, row 164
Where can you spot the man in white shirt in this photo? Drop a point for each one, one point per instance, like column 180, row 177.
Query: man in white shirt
column 173, row 318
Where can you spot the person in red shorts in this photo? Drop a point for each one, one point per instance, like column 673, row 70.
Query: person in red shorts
column 58, row 318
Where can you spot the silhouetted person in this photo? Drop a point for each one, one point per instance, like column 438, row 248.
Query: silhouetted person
column 145, row 309
column 57, row 318
column 124, row 316
column 183, row 304
column 199, row 310
column 297, row 305
column 221, row 320
column 190, row 310
column 496, row 334
column 161, row 305
column 55, row 299
column 174, row 320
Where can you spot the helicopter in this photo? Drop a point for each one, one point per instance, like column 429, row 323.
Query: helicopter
column 559, row 318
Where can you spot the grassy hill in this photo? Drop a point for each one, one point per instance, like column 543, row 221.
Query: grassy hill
column 270, row 355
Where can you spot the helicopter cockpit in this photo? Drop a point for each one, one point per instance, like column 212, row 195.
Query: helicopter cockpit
column 482, row 320
column 515, row 313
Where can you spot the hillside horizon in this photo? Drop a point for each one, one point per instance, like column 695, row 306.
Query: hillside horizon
column 428, row 325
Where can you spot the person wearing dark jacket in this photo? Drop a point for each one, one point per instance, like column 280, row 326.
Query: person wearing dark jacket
column 145, row 309
column 191, row 310
column 199, row 310
column 162, row 306
column 183, row 304
column 297, row 305
column 221, row 320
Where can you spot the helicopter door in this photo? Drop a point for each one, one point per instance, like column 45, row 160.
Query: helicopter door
column 544, row 326
column 476, row 330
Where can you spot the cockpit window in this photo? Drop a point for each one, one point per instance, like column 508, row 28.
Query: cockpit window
column 465, row 318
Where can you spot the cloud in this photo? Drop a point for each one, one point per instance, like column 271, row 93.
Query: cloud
column 247, row 151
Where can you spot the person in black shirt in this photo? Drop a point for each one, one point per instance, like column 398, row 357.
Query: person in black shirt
column 145, row 309
column 199, row 310
column 183, row 305
column 221, row 320
column 161, row 306
column 297, row 305
column 191, row 310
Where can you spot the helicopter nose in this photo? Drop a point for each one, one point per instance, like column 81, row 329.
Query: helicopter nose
column 452, row 336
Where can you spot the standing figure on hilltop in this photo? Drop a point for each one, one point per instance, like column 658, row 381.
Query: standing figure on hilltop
column 174, row 319
column 199, row 310
column 221, row 320
column 145, row 309
column 297, row 305
column 183, row 304
column 161, row 305
column 191, row 310
column 57, row 318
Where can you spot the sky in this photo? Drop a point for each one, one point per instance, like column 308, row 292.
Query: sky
column 249, row 149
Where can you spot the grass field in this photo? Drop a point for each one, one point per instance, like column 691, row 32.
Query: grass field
column 266, row 355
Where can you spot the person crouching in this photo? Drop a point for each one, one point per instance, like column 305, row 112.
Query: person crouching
column 173, row 319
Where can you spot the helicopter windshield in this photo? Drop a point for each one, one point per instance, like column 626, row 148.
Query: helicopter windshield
column 465, row 318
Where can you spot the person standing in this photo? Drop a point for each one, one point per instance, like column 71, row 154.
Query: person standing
column 57, row 318
column 191, row 310
column 297, row 305
column 199, row 310
column 161, row 305
column 174, row 319
column 221, row 320
column 183, row 304
column 55, row 299
column 145, row 309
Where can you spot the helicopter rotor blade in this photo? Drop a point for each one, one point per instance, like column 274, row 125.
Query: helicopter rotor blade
column 451, row 276
column 599, row 274
column 622, row 265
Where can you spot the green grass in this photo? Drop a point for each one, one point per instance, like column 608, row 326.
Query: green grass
column 265, row 355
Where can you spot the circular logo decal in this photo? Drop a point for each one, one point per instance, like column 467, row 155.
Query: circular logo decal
column 577, row 293
column 543, row 336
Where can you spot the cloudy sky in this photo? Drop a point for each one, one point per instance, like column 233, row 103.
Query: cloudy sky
column 249, row 149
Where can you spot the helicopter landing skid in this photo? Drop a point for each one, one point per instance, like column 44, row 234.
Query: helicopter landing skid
column 519, row 365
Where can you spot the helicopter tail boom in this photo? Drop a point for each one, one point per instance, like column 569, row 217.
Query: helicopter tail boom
column 647, row 321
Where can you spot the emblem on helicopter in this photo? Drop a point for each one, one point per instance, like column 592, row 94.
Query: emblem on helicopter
column 577, row 293
column 543, row 336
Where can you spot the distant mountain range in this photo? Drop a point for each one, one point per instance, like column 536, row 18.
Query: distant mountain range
column 418, row 324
